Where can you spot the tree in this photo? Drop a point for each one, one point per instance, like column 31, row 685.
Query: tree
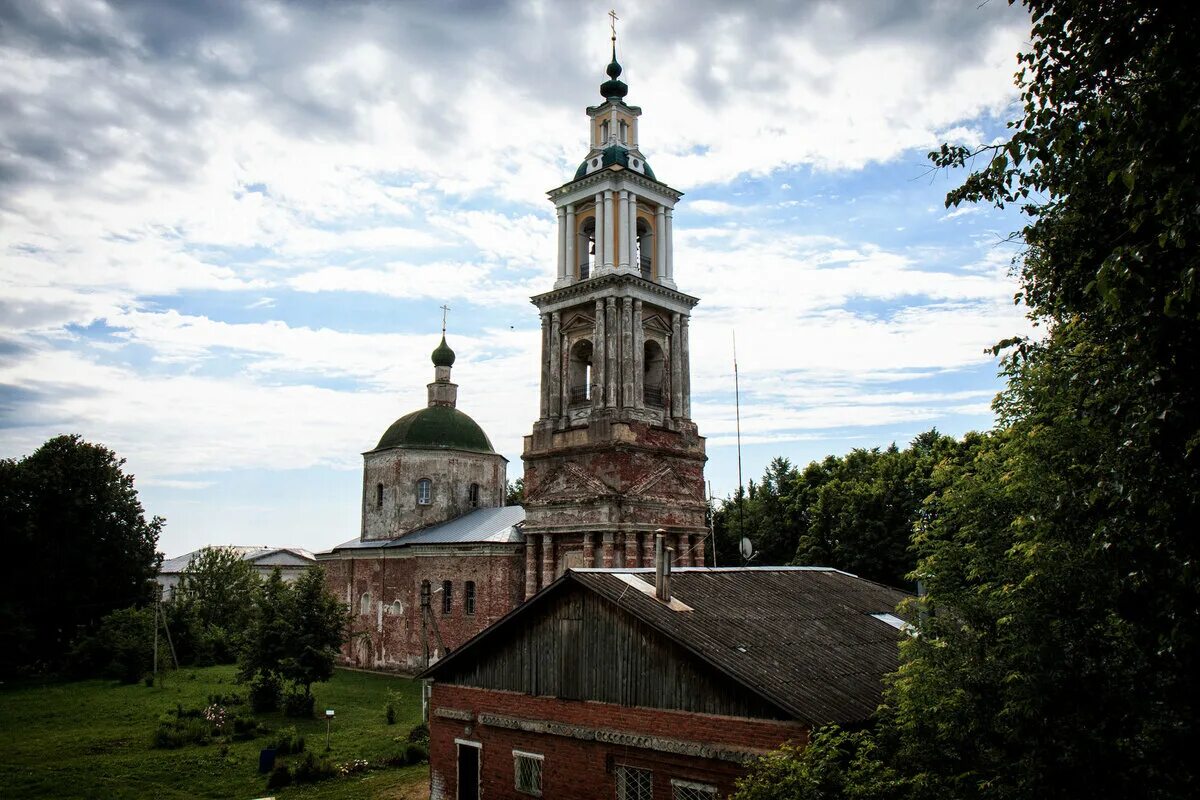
column 77, row 546
column 514, row 492
column 214, row 604
column 1059, row 655
column 295, row 633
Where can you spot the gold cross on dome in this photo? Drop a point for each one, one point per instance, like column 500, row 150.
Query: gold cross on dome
column 445, row 309
column 612, row 21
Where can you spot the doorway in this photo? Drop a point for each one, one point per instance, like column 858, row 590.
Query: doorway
column 468, row 769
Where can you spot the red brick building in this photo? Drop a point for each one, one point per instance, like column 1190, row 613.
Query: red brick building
column 439, row 556
column 597, row 688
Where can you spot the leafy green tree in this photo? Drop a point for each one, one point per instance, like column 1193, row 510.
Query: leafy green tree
column 121, row 647
column 1059, row 655
column 214, row 603
column 77, row 547
column 295, row 633
column 514, row 492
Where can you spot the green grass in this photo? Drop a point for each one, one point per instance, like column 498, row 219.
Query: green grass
column 91, row 739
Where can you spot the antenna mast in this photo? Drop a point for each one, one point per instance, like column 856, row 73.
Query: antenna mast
column 737, row 411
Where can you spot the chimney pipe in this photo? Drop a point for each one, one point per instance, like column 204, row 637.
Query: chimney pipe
column 666, row 592
column 659, row 583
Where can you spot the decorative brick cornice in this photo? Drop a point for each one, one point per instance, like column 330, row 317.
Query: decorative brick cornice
column 661, row 744
column 586, row 287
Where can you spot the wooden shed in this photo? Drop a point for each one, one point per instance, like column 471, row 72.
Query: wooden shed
column 597, row 688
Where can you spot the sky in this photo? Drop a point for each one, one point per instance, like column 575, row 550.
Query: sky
column 226, row 228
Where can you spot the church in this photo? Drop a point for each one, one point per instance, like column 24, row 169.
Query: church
column 613, row 459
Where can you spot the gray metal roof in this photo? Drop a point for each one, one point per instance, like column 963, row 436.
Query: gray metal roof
column 481, row 526
column 805, row 638
column 252, row 553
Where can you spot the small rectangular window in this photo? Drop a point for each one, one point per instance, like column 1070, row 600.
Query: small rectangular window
column 633, row 783
column 424, row 491
column 469, row 597
column 379, row 495
column 690, row 790
column 447, row 590
column 527, row 772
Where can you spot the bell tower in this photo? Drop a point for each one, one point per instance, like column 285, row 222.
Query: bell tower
column 614, row 455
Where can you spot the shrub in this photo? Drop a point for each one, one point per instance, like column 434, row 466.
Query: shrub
column 120, row 648
column 415, row 754
column 297, row 703
column 287, row 742
column 351, row 767
column 264, row 692
column 246, row 728
column 231, row 699
column 175, row 733
column 419, row 734
column 312, row 769
column 280, row 776
column 389, row 713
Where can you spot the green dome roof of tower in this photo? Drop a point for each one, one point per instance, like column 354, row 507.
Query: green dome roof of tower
column 436, row 428
column 443, row 356
column 613, row 89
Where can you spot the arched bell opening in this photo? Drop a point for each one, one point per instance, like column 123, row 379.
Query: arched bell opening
column 644, row 257
column 585, row 247
column 654, row 372
column 579, row 372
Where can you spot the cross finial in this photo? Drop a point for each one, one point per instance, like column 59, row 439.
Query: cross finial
column 445, row 309
column 612, row 21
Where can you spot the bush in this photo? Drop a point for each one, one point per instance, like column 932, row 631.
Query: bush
column 264, row 693
column 280, row 776
column 172, row 734
column 231, row 699
column 312, row 769
column 420, row 734
column 287, row 742
column 389, row 713
column 416, row 754
column 120, row 648
column 246, row 728
column 297, row 703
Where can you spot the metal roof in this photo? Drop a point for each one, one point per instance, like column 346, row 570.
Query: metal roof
column 252, row 553
column 481, row 526
column 805, row 639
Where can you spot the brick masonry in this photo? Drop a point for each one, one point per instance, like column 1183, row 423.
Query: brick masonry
column 386, row 630
column 582, row 743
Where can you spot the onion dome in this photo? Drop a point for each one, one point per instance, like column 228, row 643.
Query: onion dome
column 614, row 89
column 443, row 356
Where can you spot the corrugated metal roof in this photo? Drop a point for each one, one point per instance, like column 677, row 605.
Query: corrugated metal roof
column 254, row 553
column 803, row 638
column 481, row 526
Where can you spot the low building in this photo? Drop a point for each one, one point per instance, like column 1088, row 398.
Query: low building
column 291, row 562
column 602, row 687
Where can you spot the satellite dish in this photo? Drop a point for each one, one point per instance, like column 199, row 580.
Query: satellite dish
column 747, row 548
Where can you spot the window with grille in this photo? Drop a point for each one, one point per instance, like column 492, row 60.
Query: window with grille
column 689, row 790
column 447, row 592
column 424, row 492
column 469, row 597
column 527, row 772
column 633, row 783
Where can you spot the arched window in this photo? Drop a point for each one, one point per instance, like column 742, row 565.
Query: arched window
column 645, row 249
column 396, row 609
column 469, row 597
column 447, row 596
column 585, row 247
column 379, row 495
column 654, row 371
column 425, row 594
column 364, row 604
column 580, row 372
column 473, row 495
column 424, row 492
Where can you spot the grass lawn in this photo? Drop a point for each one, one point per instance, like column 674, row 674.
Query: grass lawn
column 91, row 739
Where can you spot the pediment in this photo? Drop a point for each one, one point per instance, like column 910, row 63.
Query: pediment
column 664, row 483
column 654, row 322
column 579, row 321
column 569, row 482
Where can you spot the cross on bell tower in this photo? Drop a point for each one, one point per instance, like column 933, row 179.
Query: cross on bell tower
column 614, row 455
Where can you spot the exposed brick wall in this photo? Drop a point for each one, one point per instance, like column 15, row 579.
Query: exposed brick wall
column 575, row 768
column 499, row 582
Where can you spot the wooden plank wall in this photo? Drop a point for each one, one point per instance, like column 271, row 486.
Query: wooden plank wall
column 583, row 647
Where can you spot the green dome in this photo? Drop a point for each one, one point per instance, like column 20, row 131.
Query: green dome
column 443, row 356
column 436, row 428
column 614, row 155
